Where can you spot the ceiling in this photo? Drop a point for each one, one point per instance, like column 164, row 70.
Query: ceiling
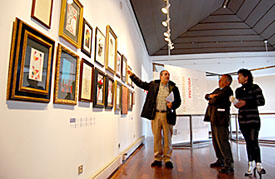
column 204, row 26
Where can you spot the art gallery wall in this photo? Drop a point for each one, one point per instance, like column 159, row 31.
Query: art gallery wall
column 38, row 140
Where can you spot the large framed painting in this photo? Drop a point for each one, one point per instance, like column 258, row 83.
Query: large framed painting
column 118, row 96
column 118, row 64
column 99, row 47
column 87, row 36
column 124, row 69
column 130, row 100
column 124, row 107
column 42, row 12
column 109, row 91
column 99, row 89
column 30, row 68
column 110, row 50
column 71, row 19
column 86, row 81
column 66, row 76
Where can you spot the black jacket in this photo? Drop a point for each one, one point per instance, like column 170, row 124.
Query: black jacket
column 218, row 109
column 253, row 96
column 149, row 107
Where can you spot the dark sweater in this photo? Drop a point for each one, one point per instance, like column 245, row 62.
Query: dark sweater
column 252, row 94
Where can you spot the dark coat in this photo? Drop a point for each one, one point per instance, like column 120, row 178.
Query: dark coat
column 149, row 107
column 218, row 109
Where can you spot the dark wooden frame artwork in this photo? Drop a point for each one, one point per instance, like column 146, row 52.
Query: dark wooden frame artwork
column 87, row 28
column 37, row 7
column 84, row 80
column 108, row 79
column 99, row 47
column 96, row 103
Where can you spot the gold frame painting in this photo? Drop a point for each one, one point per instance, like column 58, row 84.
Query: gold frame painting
column 71, row 20
column 66, row 76
column 30, row 68
column 110, row 50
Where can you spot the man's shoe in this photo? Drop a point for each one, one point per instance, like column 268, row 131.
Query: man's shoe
column 217, row 164
column 226, row 170
column 156, row 163
column 169, row 164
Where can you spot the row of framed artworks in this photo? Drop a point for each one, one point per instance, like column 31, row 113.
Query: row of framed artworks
column 30, row 73
column 73, row 26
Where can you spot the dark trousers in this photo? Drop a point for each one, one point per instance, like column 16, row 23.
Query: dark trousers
column 251, row 134
column 221, row 145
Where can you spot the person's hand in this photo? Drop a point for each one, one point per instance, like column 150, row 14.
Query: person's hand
column 212, row 95
column 130, row 73
column 240, row 104
column 169, row 105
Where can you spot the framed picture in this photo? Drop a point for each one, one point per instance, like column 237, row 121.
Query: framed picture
column 124, row 69
column 99, row 89
column 118, row 96
column 87, row 36
column 129, row 80
column 71, row 19
column 118, row 64
column 42, row 12
column 99, row 47
column 109, row 91
column 110, row 50
column 86, row 81
column 66, row 76
column 124, row 102
column 130, row 100
column 30, row 68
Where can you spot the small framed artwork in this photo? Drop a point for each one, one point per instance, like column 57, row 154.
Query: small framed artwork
column 87, row 36
column 42, row 12
column 71, row 19
column 86, row 81
column 118, row 64
column 66, row 76
column 118, row 97
column 129, row 80
column 124, row 69
column 110, row 50
column 99, row 87
column 124, row 102
column 30, row 68
column 109, row 91
column 130, row 100
column 99, row 47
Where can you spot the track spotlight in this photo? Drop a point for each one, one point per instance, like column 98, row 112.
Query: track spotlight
column 165, row 9
column 165, row 23
column 167, row 33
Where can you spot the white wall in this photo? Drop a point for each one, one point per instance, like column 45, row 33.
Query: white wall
column 37, row 140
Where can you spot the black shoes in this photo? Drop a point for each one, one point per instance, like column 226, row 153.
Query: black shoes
column 226, row 170
column 216, row 164
column 156, row 163
column 169, row 164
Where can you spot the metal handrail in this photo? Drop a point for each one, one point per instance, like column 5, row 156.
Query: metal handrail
column 232, row 114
